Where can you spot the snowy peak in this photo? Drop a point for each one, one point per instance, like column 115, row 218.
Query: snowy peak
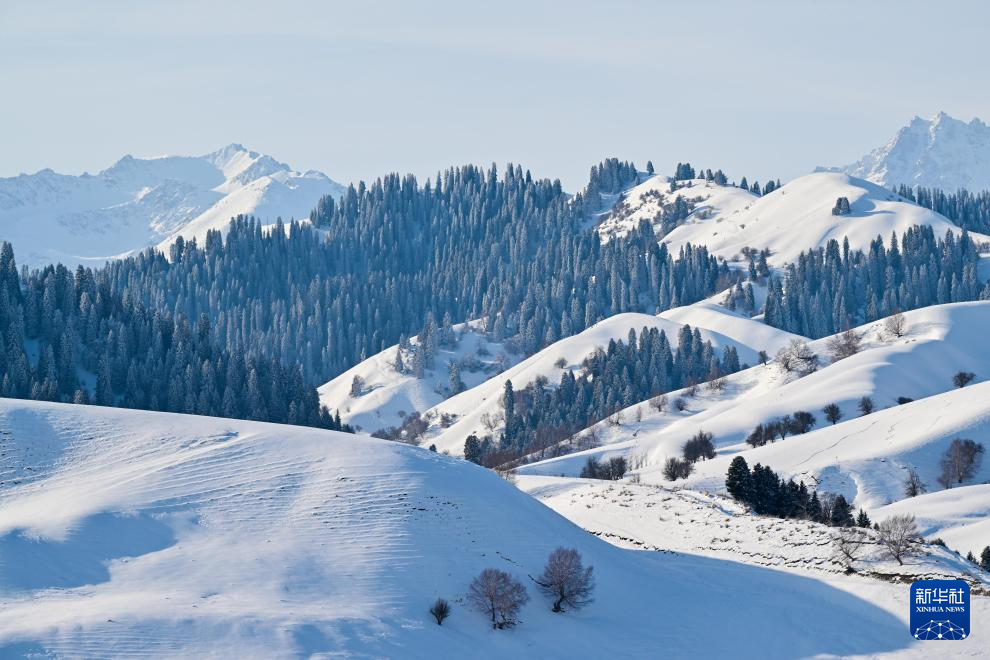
column 140, row 202
column 941, row 152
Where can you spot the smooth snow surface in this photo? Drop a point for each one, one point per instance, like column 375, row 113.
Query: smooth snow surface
column 138, row 203
column 138, row 534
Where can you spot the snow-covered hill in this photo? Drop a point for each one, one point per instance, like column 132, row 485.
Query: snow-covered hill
column 470, row 408
column 798, row 216
column 655, row 517
column 140, row 202
column 653, row 198
column 958, row 516
column 388, row 396
column 865, row 458
column 941, row 152
column 138, row 534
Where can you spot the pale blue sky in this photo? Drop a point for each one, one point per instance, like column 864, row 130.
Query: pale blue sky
column 358, row 89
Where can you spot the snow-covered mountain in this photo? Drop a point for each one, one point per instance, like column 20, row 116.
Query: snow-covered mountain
column 137, row 534
column 141, row 202
column 941, row 152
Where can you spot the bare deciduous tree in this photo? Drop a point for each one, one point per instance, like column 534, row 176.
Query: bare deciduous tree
column 895, row 324
column 440, row 611
column 913, row 485
column 798, row 358
column 866, row 405
column 848, row 543
column 898, row 535
column 843, row 345
column 659, row 403
column 565, row 580
column 675, row 468
column 492, row 420
column 960, row 462
column 499, row 595
column 832, row 412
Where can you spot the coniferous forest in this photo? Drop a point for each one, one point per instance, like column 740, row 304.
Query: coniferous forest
column 248, row 323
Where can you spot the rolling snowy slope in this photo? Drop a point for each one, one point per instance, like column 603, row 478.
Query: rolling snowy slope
column 388, row 395
column 470, row 407
column 959, row 516
column 941, row 152
column 138, row 534
column 138, row 203
column 647, row 201
column 659, row 518
column 798, row 216
column 864, row 458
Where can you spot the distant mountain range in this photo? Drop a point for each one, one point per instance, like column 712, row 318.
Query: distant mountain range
column 141, row 202
column 941, row 152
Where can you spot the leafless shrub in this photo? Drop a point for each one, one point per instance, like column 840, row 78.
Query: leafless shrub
column 492, row 420
column 843, row 345
column 717, row 384
column 507, row 473
column 675, row 468
column 963, row 378
column 659, row 403
column 895, row 324
column 798, row 358
column 440, row 610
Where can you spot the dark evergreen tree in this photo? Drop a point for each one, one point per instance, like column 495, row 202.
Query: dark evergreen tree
column 738, row 481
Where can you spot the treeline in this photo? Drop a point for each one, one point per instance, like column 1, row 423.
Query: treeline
column 377, row 264
column 967, row 209
column 614, row 378
column 763, row 491
column 68, row 337
column 832, row 289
